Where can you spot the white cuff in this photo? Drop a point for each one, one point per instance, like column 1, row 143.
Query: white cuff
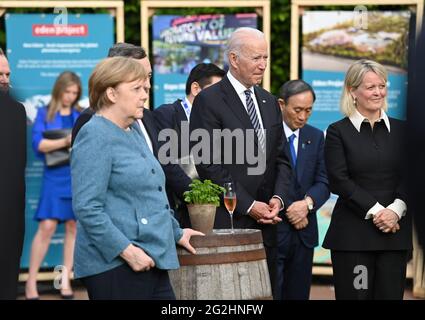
column 374, row 210
column 281, row 202
column 399, row 207
column 249, row 209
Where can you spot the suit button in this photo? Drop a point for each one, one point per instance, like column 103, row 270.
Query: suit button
column 167, row 206
column 153, row 171
column 159, row 188
column 144, row 221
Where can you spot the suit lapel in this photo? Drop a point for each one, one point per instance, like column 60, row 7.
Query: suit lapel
column 302, row 151
column 234, row 103
column 264, row 103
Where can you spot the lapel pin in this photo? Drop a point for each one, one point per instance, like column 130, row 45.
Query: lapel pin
column 264, row 101
column 304, row 143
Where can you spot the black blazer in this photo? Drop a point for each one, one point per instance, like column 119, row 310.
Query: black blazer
column 310, row 179
column 171, row 116
column 176, row 180
column 364, row 168
column 13, row 128
column 219, row 107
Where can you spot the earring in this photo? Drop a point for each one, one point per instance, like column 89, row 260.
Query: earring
column 355, row 102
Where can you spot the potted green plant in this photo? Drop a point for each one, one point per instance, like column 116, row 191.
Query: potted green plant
column 203, row 198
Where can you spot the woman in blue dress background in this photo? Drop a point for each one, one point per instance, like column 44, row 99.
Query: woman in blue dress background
column 55, row 204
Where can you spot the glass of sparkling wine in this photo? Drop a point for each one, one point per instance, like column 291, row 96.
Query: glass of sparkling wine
column 230, row 201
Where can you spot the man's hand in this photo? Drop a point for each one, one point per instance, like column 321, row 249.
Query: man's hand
column 395, row 228
column 385, row 220
column 297, row 211
column 302, row 224
column 185, row 239
column 271, row 217
column 259, row 210
column 137, row 259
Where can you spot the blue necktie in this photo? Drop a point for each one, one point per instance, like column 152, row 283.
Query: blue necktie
column 250, row 107
column 292, row 148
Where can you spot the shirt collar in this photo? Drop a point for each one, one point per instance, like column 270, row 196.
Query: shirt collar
column 186, row 100
column 289, row 132
column 357, row 119
column 239, row 87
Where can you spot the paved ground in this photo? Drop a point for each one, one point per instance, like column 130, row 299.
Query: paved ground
column 321, row 290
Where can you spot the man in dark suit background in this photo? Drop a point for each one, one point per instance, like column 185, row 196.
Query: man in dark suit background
column 176, row 179
column 298, row 233
column 238, row 104
column 176, row 115
column 12, row 184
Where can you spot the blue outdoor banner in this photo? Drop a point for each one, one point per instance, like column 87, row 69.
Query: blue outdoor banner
column 38, row 50
column 331, row 42
column 181, row 42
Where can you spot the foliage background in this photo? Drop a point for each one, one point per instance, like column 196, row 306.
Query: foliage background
column 280, row 28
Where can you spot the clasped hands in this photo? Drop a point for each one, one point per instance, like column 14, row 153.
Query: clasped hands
column 386, row 220
column 266, row 213
column 297, row 214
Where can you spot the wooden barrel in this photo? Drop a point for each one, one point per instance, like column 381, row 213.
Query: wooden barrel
column 226, row 266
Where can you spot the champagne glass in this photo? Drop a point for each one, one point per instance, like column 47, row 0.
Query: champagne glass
column 230, row 201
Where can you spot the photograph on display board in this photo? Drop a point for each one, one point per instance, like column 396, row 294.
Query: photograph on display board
column 181, row 42
column 331, row 42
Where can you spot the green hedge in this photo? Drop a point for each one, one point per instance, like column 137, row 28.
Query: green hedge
column 280, row 29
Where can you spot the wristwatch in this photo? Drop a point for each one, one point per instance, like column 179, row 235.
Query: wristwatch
column 310, row 205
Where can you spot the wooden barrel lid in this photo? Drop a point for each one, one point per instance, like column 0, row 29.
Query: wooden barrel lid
column 223, row 238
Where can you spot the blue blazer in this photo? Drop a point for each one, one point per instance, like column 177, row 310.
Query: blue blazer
column 310, row 179
column 119, row 198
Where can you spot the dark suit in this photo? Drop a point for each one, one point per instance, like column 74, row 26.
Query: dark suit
column 296, row 247
column 172, row 116
column 12, row 192
column 219, row 107
column 364, row 168
column 176, row 180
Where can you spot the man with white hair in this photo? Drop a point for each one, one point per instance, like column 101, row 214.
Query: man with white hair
column 12, row 184
column 237, row 102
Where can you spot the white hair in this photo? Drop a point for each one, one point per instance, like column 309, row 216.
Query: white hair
column 238, row 39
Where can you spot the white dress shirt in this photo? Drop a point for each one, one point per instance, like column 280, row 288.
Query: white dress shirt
column 240, row 90
column 145, row 134
column 398, row 206
column 289, row 132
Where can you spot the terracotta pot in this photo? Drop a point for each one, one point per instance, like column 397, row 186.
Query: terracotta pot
column 202, row 217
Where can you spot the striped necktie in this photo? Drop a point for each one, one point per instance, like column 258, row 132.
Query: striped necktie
column 254, row 118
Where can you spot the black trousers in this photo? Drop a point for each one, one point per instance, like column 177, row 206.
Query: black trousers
column 369, row 275
column 9, row 274
column 122, row 283
column 294, row 267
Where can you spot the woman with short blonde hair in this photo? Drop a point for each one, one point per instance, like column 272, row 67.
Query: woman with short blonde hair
column 127, row 235
column 354, row 78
